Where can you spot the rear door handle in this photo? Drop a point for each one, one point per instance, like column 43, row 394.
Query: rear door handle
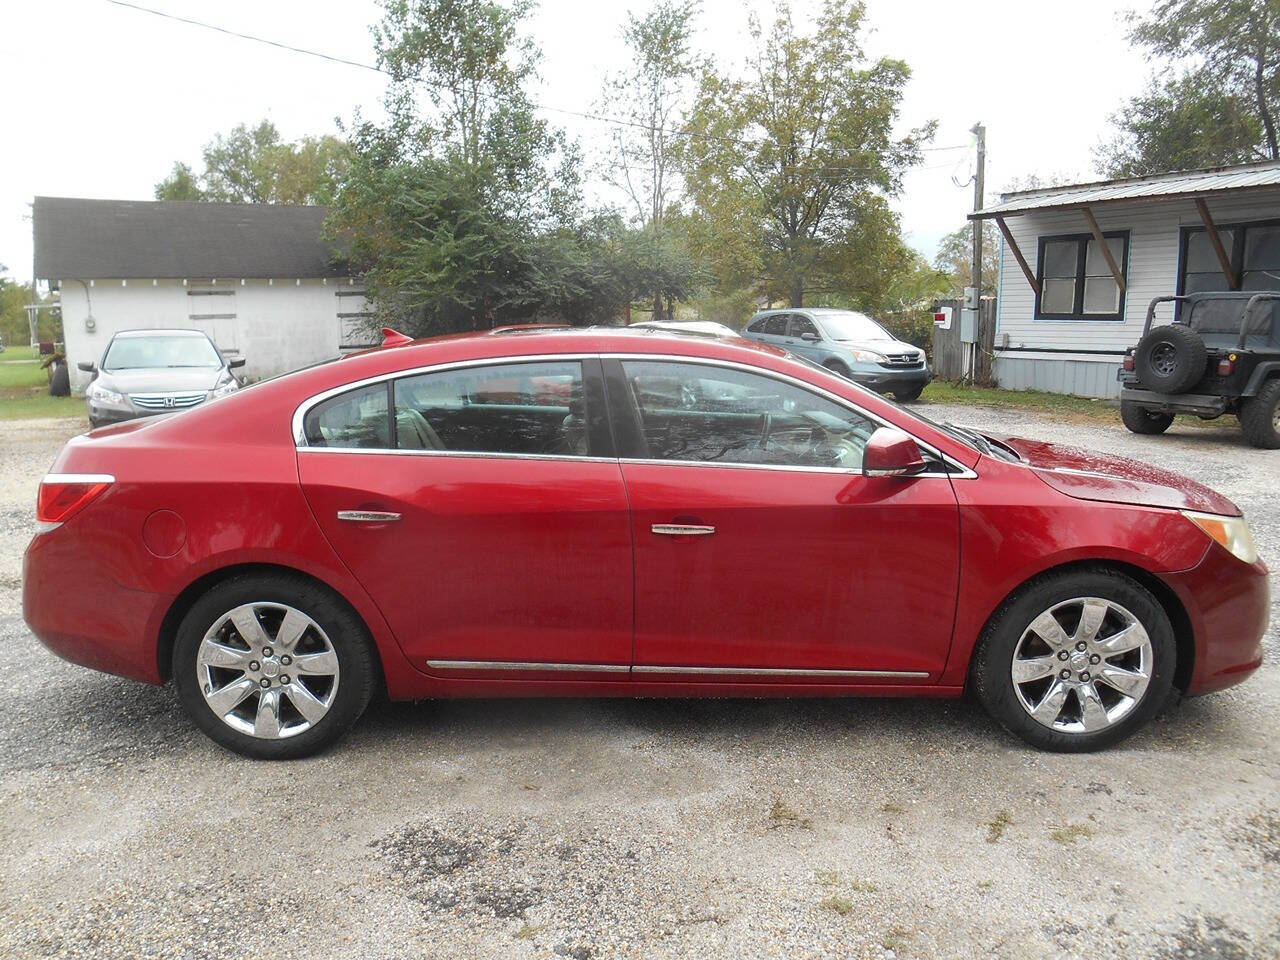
column 682, row 529
column 368, row 516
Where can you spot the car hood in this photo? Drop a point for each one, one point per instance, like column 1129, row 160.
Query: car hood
column 881, row 346
column 1089, row 475
column 163, row 380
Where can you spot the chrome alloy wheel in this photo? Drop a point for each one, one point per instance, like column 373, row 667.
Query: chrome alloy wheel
column 267, row 670
column 1082, row 665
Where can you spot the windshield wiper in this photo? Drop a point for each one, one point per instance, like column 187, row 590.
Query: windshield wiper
column 977, row 439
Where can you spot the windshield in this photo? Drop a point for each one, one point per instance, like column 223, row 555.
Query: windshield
column 849, row 325
column 160, row 352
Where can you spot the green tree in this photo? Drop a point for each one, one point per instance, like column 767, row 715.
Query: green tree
column 651, row 98
column 255, row 166
column 14, row 296
column 1216, row 99
column 800, row 154
column 954, row 259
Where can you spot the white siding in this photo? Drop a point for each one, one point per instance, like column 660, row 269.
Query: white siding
column 278, row 326
column 1152, row 271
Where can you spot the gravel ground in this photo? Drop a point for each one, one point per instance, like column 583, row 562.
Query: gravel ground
column 589, row 828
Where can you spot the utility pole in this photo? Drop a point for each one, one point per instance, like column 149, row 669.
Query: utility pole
column 979, row 176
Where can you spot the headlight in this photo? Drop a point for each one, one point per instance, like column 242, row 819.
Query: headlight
column 100, row 393
column 1232, row 532
column 867, row 356
column 225, row 387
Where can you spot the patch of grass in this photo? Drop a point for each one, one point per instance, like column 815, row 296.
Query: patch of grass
column 782, row 815
column 831, row 878
column 986, row 884
column 895, row 938
column 38, row 405
column 891, row 808
column 22, row 373
column 1071, row 833
column 941, row 391
column 828, row 878
column 997, row 827
column 862, row 886
column 839, row 905
column 528, row 932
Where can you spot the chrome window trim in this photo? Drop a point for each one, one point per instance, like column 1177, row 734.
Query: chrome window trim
column 539, row 666
column 961, row 472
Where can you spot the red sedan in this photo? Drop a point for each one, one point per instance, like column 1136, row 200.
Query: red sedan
column 613, row 513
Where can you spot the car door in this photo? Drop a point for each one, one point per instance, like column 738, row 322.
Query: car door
column 798, row 327
column 761, row 551
column 483, row 509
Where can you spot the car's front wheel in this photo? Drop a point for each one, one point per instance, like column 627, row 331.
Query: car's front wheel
column 1076, row 661
column 908, row 394
column 273, row 666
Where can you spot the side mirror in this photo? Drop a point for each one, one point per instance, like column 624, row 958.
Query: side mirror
column 891, row 453
column 235, row 364
column 810, row 337
column 88, row 366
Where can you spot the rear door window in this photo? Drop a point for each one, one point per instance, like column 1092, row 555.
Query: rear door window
column 357, row 418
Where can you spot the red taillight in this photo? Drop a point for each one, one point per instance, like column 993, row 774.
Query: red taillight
column 1226, row 367
column 1128, row 362
column 63, row 494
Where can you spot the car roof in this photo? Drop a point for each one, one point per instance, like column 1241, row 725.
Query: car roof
column 161, row 331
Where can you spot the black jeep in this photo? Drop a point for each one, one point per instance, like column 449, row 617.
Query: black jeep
column 1221, row 355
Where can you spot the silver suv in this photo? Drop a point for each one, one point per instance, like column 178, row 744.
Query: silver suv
column 147, row 372
column 847, row 342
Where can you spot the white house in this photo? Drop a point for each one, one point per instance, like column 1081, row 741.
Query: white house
column 1080, row 263
column 258, row 278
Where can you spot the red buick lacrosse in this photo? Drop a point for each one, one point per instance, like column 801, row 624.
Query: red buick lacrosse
column 597, row 512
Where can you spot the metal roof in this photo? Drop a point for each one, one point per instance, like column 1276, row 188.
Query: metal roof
column 1191, row 183
column 122, row 239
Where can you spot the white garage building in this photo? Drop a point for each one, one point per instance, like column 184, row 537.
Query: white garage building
column 258, row 278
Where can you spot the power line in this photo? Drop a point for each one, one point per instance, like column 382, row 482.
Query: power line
column 585, row 115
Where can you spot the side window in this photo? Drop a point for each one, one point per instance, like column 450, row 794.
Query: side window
column 512, row 408
column 357, row 418
column 709, row 414
column 800, row 326
column 757, row 326
column 776, row 325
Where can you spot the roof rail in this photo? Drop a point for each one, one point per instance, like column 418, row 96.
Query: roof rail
column 522, row 327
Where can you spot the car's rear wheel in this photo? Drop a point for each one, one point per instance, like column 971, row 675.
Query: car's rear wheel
column 1141, row 420
column 1076, row 661
column 1260, row 417
column 273, row 666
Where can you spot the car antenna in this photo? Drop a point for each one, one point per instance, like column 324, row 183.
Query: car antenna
column 394, row 338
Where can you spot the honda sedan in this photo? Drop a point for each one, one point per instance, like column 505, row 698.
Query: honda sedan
column 599, row 512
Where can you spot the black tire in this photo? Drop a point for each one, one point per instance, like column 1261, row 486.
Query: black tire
column 1259, row 417
column 990, row 670
column 1170, row 358
column 60, row 381
column 909, row 394
column 357, row 666
column 836, row 367
column 1141, row 420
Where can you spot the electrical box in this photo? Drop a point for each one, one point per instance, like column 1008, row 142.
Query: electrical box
column 971, row 298
column 968, row 325
column 942, row 318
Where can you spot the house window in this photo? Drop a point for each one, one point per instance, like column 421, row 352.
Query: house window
column 1252, row 249
column 1076, row 282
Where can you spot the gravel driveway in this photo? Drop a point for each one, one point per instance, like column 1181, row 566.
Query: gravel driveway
column 590, row 828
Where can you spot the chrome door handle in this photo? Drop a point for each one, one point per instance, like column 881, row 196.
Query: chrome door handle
column 368, row 516
column 682, row 529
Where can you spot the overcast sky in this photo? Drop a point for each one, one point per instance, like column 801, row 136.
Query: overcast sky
column 101, row 100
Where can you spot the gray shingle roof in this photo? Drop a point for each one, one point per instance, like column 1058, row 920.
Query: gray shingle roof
column 108, row 239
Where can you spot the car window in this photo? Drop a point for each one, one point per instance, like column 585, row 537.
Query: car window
column 357, row 418
column 160, row 352
column 709, row 414
column 800, row 326
column 775, row 325
column 512, row 408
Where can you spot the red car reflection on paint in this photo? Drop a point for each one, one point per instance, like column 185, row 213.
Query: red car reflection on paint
column 609, row 513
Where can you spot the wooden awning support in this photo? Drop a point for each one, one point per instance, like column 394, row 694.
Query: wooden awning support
column 1022, row 261
column 1216, row 239
column 1106, row 247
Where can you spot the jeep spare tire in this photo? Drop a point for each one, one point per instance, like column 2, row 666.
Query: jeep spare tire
column 1170, row 359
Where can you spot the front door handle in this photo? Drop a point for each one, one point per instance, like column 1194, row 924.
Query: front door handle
column 368, row 516
column 682, row 529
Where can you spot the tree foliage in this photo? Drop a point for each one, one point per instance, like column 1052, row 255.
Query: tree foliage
column 254, row 166
column 14, row 296
column 799, row 155
column 954, row 259
column 1216, row 98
